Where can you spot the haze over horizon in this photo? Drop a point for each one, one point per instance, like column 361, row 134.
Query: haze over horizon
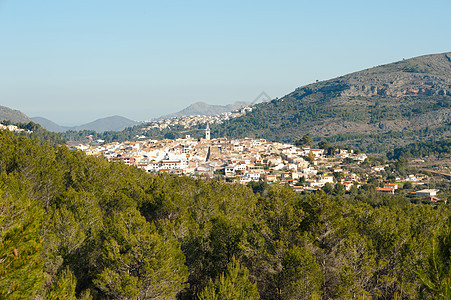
column 76, row 61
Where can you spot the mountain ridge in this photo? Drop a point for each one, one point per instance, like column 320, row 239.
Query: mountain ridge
column 112, row 123
column 49, row 125
column 205, row 109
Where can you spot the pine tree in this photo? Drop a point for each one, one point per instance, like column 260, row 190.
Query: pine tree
column 21, row 267
column 233, row 284
column 436, row 278
column 138, row 262
column 64, row 287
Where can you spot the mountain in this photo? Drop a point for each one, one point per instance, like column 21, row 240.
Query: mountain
column 204, row 109
column 15, row 116
column 400, row 102
column 114, row 123
column 49, row 125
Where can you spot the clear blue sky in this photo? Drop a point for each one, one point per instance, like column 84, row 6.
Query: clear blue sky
column 74, row 61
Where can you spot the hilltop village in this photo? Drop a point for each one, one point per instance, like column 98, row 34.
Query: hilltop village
column 249, row 159
column 192, row 121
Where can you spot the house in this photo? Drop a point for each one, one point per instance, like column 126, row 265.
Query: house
column 92, row 152
column 298, row 188
column 275, row 161
column 317, row 152
column 391, row 186
column 427, row 192
column 348, row 185
column 238, row 148
column 172, row 171
column 270, row 178
column 411, row 178
column 309, row 171
column 245, row 180
column 241, row 166
column 125, row 159
column 12, row 128
column 279, row 167
column 82, row 147
column 352, row 177
column 253, row 176
column 361, row 157
column 229, row 171
column 152, row 167
column 329, row 179
column 385, row 190
column 378, row 168
column 171, row 164
column 286, row 175
column 314, row 183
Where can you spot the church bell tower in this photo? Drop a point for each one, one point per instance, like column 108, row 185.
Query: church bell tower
column 207, row 133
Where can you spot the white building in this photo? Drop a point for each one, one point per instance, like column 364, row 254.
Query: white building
column 427, row 192
column 172, row 164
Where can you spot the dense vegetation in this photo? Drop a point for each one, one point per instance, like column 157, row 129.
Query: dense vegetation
column 422, row 149
column 73, row 226
column 283, row 119
column 379, row 143
column 288, row 119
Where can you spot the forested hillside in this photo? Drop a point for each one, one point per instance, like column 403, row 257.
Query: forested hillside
column 422, row 149
column 78, row 227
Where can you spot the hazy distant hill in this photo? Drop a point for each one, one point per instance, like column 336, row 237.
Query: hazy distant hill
column 394, row 103
column 114, row 123
column 15, row 116
column 49, row 125
column 202, row 108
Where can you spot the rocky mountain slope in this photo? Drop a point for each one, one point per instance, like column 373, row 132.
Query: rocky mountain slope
column 404, row 97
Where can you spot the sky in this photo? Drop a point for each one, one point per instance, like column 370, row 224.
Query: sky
column 75, row 61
